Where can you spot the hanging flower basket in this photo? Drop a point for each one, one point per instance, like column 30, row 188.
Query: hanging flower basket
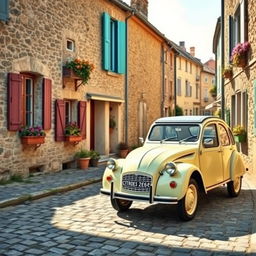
column 240, row 138
column 239, row 134
column 239, row 54
column 32, row 140
column 69, row 73
column 227, row 72
column 73, row 138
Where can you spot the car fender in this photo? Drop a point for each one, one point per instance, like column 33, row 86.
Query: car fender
column 237, row 167
column 182, row 178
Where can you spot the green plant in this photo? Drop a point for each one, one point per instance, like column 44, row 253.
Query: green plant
column 112, row 123
column 83, row 153
column 81, row 68
column 72, row 129
column 123, row 146
column 94, row 155
column 213, row 91
column 31, row 131
column 239, row 52
column 217, row 113
column 228, row 71
column 238, row 130
column 178, row 111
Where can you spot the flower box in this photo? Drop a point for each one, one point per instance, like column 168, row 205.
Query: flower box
column 73, row 138
column 69, row 73
column 32, row 140
column 240, row 138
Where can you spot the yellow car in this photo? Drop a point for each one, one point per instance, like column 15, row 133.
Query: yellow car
column 180, row 157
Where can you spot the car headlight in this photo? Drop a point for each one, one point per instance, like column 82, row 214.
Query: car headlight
column 111, row 164
column 171, row 168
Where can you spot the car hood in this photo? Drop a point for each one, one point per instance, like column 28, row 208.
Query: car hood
column 151, row 158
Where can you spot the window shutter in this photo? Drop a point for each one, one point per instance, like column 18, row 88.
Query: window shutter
column 121, row 47
column 106, row 40
column 254, row 115
column 230, row 34
column 242, row 21
column 47, row 104
column 60, row 121
column 4, row 10
column 82, row 118
column 14, row 101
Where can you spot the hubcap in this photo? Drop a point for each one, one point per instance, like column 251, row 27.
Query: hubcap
column 237, row 184
column 191, row 199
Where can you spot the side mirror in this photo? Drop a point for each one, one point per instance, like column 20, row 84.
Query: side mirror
column 141, row 140
column 208, row 142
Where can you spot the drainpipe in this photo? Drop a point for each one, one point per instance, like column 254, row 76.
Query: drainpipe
column 163, row 81
column 126, row 85
column 175, row 82
column 222, row 60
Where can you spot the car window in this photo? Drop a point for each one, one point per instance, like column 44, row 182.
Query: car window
column 210, row 138
column 224, row 138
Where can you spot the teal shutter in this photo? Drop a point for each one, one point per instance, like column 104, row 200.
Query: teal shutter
column 4, row 10
column 231, row 34
column 121, row 47
column 106, row 41
column 254, row 101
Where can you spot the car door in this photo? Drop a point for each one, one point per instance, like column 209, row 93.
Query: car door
column 227, row 148
column 210, row 156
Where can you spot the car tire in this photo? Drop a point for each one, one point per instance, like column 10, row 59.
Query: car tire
column 121, row 205
column 187, row 206
column 234, row 187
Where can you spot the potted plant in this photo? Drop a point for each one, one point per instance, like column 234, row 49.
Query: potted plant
column 72, row 132
column 32, row 135
column 78, row 69
column 112, row 124
column 95, row 156
column 239, row 133
column 213, row 91
column 83, row 157
column 228, row 72
column 123, row 149
column 239, row 54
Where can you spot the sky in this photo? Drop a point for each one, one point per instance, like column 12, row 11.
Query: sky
column 192, row 21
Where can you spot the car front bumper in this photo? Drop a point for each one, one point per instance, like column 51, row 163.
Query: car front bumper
column 150, row 198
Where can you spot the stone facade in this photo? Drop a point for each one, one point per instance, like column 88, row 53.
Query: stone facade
column 239, row 91
column 34, row 41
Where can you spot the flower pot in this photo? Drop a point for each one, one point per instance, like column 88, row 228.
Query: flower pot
column 94, row 162
column 228, row 75
column 123, row 153
column 240, row 138
column 73, row 138
column 83, row 163
column 32, row 140
column 242, row 61
column 69, row 73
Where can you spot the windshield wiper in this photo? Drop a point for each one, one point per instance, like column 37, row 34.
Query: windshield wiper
column 169, row 138
column 190, row 137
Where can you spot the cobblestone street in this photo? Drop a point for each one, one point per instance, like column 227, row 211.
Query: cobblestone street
column 82, row 222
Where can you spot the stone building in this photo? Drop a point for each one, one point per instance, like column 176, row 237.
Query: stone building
column 127, row 87
column 188, row 69
column 240, row 91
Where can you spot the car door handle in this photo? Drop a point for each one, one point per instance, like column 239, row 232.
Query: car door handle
column 220, row 151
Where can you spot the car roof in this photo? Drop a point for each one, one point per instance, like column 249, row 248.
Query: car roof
column 184, row 119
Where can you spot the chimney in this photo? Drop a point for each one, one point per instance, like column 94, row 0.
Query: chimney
column 192, row 51
column 182, row 45
column 141, row 6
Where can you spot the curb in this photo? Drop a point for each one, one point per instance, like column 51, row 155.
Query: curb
column 45, row 193
column 251, row 185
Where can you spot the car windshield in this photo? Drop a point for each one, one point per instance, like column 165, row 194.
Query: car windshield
column 174, row 132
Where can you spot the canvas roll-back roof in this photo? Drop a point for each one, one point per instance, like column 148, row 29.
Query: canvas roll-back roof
column 184, row 119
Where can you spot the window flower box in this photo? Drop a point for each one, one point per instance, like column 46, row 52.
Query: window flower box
column 239, row 134
column 73, row 138
column 32, row 140
column 239, row 54
column 32, row 135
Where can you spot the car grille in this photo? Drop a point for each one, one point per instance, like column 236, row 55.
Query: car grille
column 137, row 182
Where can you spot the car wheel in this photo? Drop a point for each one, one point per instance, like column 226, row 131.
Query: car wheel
column 234, row 187
column 188, row 204
column 121, row 205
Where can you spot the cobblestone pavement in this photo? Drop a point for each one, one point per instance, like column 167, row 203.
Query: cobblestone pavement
column 82, row 222
column 48, row 181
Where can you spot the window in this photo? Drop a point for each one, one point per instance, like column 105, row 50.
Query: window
column 171, row 89
column 210, row 138
column 4, row 10
column 190, row 68
column 206, row 79
column 224, row 138
column 114, row 45
column 191, row 112
column 28, row 101
column 70, row 111
column 197, row 91
column 180, row 63
column 186, row 66
column 188, row 89
column 70, row 45
column 171, row 60
column 186, row 112
column 178, row 89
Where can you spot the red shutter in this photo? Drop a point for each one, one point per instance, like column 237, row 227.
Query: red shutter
column 47, row 104
column 82, row 118
column 14, row 101
column 60, row 121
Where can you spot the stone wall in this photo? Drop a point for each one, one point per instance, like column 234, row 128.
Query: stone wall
column 34, row 40
column 243, row 79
